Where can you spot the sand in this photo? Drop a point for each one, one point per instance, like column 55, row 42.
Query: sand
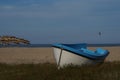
column 26, row 55
column 17, row 55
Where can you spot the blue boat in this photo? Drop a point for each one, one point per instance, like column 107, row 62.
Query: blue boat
column 77, row 54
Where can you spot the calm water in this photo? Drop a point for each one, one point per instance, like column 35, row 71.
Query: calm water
column 50, row 45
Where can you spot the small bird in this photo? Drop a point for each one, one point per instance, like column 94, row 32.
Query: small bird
column 99, row 33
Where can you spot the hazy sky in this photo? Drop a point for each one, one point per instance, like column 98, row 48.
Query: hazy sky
column 61, row 21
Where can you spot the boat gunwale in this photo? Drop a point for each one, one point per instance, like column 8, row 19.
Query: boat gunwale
column 86, row 56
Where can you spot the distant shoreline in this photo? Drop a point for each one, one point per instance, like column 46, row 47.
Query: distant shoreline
column 50, row 45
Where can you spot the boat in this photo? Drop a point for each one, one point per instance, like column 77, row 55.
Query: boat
column 77, row 54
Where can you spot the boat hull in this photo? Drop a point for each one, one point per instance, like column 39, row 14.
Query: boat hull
column 64, row 58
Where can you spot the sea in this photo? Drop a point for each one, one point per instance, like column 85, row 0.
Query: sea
column 50, row 45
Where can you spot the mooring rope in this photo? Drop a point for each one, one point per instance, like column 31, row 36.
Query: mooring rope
column 60, row 57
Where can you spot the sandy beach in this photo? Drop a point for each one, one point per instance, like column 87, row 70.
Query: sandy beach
column 26, row 55
column 20, row 55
